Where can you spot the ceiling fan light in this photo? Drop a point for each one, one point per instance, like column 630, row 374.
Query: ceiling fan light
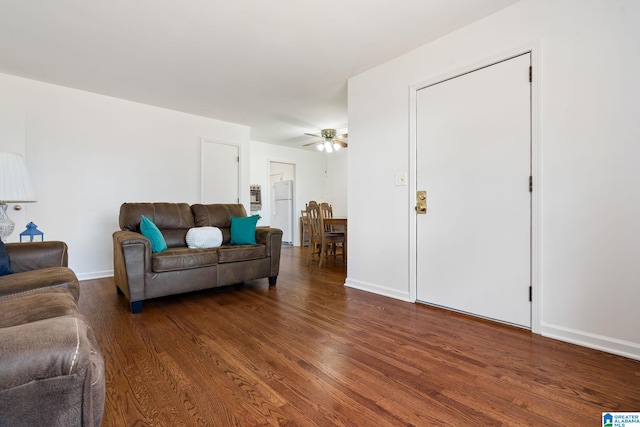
column 330, row 141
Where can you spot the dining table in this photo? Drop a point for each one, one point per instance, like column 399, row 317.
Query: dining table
column 339, row 223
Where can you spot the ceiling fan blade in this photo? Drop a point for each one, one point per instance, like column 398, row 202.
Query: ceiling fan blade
column 341, row 143
column 311, row 143
column 343, row 136
column 313, row 134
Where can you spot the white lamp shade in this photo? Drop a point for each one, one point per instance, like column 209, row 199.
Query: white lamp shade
column 14, row 180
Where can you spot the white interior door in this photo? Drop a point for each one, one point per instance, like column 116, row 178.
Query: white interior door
column 220, row 166
column 473, row 142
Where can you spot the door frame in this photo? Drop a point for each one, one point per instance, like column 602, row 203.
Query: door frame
column 534, row 50
column 295, row 232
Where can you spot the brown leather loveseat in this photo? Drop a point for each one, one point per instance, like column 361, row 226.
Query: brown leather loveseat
column 51, row 368
column 141, row 274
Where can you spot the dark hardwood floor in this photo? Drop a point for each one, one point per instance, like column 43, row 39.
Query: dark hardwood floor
column 310, row 351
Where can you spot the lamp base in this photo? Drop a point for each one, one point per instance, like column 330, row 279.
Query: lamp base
column 6, row 224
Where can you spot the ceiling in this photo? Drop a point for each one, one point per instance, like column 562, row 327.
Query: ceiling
column 280, row 66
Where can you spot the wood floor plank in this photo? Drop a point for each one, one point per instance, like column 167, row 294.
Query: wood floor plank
column 311, row 352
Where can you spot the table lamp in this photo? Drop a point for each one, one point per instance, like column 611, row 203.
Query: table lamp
column 14, row 188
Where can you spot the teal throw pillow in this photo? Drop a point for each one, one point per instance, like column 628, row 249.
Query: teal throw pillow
column 151, row 232
column 243, row 230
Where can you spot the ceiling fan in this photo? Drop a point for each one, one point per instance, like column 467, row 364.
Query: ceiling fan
column 330, row 140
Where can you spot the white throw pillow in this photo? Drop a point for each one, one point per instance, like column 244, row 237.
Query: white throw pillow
column 204, row 237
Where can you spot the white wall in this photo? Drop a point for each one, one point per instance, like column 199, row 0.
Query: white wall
column 588, row 152
column 12, row 140
column 318, row 176
column 87, row 154
column 335, row 176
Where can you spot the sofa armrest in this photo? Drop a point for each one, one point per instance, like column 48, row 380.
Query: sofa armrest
column 122, row 238
column 131, row 261
column 55, row 367
column 272, row 239
column 36, row 255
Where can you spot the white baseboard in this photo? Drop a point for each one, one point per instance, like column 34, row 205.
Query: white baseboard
column 95, row 275
column 599, row 342
column 375, row 289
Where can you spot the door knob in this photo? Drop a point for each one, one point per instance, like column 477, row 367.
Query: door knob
column 421, row 202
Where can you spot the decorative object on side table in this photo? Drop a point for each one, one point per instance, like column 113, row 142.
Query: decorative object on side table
column 14, row 188
column 31, row 231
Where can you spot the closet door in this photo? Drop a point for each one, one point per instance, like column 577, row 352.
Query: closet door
column 220, row 168
column 474, row 161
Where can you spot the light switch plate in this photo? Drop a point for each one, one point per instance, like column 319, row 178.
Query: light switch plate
column 400, row 179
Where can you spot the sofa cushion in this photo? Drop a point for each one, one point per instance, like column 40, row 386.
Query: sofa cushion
column 175, row 259
column 175, row 238
column 241, row 253
column 36, row 255
column 163, row 215
column 38, row 304
column 217, row 215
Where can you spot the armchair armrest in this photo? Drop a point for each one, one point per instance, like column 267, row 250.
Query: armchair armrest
column 63, row 374
column 58, row 277
column 36, row 255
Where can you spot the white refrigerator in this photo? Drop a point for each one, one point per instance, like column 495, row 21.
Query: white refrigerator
column 282, row 209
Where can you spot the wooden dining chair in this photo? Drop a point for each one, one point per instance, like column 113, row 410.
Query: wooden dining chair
column 314, row 244
column 305, row 229
column 326, row 211
column 321, row 241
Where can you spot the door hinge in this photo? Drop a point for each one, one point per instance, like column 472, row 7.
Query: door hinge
column 530, row 184
column 530, row 74
column 238, row 159
column 530, row 293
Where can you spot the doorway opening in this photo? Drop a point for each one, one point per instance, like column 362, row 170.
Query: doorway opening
column 281, row 192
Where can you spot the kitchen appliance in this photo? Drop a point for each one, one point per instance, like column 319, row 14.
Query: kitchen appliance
column 256, row 198
column 282, row 209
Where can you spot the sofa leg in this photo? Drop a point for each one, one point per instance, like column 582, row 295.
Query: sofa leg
column 136, row 307
column 272, row 280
